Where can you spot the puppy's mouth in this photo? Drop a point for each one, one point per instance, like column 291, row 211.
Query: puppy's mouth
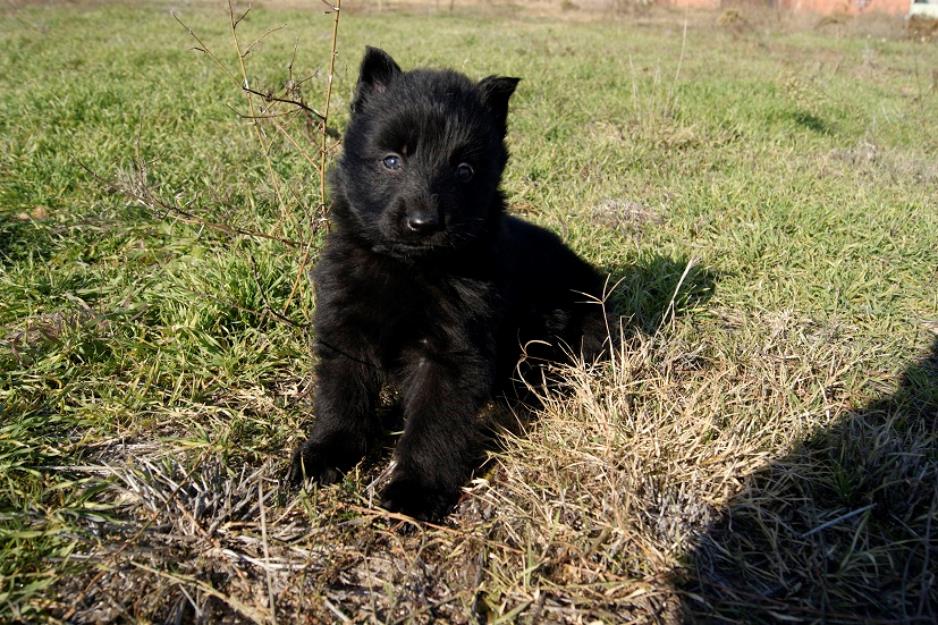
column 401, row 249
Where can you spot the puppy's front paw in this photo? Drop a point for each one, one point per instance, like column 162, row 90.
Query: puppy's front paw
column 409, row 495
column 313, row 461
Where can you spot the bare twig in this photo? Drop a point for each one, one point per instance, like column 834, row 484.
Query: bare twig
column 242, row 16
column 246, row 87
column 840, row 519
column 201, row 47
column 144, row 195
column 269, row 97
column 267, row 306
column 270, row 583
column 670, row 313
column 337, row 11
column 246, row 611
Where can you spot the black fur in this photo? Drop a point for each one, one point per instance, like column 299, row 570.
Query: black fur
column 427, row 286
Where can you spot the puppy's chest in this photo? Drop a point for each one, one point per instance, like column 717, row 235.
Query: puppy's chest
column 403, row 310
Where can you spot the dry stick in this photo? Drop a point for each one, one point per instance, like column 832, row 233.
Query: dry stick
column 153, row 202
column 840, row 519
column 672, row 99
column 336, row 10
column 250, row 47
column 289, row 137
column 270, row 584
column 242, row 16
column 261, row 116
column 204, row 48
column 242, row 84
column 234, row 604
column 269, row 97
column 265, row 147
column 672, row 305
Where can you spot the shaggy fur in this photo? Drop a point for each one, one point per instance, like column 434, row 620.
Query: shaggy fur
column 425, row 285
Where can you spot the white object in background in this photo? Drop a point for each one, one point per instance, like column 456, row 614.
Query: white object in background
column 925, row 8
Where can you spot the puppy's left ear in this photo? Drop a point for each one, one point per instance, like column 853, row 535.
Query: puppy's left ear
column 495, row 91
column 377, row 71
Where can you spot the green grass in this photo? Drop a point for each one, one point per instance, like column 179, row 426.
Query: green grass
column 147, row 391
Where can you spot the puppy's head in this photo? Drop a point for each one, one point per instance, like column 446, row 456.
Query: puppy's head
column 423, row 156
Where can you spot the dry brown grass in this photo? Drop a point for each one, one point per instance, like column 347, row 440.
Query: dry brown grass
column 924, row 29
column 649, row 491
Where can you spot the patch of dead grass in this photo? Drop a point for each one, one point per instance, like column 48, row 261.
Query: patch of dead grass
column 869, row 159
column 597, row 512
column 624, row 214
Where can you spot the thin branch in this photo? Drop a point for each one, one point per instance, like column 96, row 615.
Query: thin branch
column 332, row 54
column 154, row 202
column 243, row 15
column 337, row 11
column 265, row 147
column 261, row 116
column 296, row 44
column 840, row 519
column 270, row 582
column 269, row 97
column 259, row 40
column 289, row 137
column 279, row 315
column 203, row 48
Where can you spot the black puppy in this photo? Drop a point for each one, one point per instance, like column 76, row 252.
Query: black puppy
column 427, row 286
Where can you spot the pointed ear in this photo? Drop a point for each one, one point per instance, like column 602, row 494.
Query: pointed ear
column 495, row 91
column 378, row 70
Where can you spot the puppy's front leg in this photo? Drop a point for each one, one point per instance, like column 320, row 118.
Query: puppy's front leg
column 443, row 440
column 346, row 420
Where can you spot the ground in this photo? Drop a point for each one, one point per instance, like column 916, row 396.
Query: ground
column 763, row 447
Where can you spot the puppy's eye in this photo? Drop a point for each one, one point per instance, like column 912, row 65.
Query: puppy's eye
column 464, row 172
column 392, row 162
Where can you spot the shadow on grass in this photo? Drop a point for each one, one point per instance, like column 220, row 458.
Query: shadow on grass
column 646, row 293
column 844, row 529
column 643, row 297
column 22, row 238
column 812, row 122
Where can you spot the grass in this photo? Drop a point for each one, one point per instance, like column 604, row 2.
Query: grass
column 762, row 450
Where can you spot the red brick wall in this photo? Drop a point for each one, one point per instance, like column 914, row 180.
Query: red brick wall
column 696, row 4
column 824, row 7
column 852, row 7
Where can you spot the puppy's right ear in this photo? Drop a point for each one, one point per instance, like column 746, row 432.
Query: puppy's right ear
column 377, row 72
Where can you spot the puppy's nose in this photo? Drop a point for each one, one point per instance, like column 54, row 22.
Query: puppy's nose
column 422, row 222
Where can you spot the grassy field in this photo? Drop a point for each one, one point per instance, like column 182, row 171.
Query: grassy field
column 763, row 448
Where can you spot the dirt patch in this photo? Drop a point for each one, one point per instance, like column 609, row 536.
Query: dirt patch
column 871, row 159
column 922, row 28
column 624, row 215
column 46, row 327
